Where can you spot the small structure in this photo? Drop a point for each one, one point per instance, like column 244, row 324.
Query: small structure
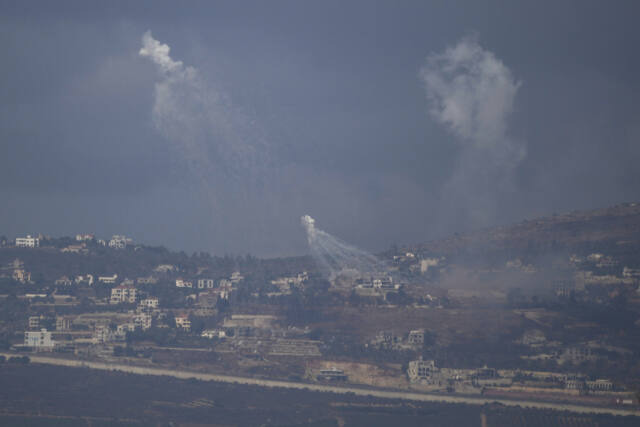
column 333, row 374
column 183, row 322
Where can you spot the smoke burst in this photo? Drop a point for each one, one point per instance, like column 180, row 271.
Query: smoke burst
column 472, row 93
column 335, row 257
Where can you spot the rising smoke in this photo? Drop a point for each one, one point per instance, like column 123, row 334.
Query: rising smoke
column 335, row 257
column 472, row 93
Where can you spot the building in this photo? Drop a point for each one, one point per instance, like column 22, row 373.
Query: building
column 84, row 237
column 39, row 341
column 149, row 280
column 142, row 321
column 86, row 279
column 64, row 281
column 236, row 277
column 213, row 333
column 181, row 283
column 119, row 242
column 333, row 374
column 599, row 385
column 27, row 242
column 183, row 322
column 63, row 323
column 423, row 371
column 205, row 283
column 149, row 303
column 21, row 275
column 108, row 280
column 123, row 294
column 35, row 322
column 416, row 337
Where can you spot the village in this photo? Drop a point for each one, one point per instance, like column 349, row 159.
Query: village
column 278, row 324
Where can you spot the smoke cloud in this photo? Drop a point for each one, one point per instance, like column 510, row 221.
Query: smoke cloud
column 472, row 93
column 335, row 257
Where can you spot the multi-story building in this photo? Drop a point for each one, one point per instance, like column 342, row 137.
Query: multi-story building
column 40, row 340
column 142, row 321
column 27, row 242
column 34, row 321
column 123, row 293
column 84, row 237
column 416, row 337
column 205, row 283
column 64, row 323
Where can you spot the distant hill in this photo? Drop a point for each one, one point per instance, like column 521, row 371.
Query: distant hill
column 614, row 229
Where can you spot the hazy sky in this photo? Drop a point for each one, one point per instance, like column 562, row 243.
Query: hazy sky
column 216, row 125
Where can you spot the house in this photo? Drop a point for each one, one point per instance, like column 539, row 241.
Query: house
column 416, row 337
column 28, row 242
column 149, row 280
column 142, row 321
column 183, row 322
column 149, row 304
column 63, row 281
column 123, row 294
column 213, row 333
column 76, row 249
column 119, row 242
column 205, row 283
column 181, row 283
column 108, row 280
column 333, row 374
column 21, row 275
column 236, row 277
column 39, row 341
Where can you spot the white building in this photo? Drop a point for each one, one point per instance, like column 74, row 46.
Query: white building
column 423, row 371
column 27, row 242
column 40, row 340
column 123, row 293
column 205, row 283
column 181, row 283
column 84, row 237
column 119, row 242
column 213, row 333
column 109, row 280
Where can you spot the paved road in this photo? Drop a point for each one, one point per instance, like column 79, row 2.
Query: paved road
column 424, row 397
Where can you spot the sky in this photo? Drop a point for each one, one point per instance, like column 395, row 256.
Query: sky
column 214, row 126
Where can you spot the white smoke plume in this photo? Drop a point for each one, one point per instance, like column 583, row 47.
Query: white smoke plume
column 224, row 150
column 216, row 138
column 336, row 257
column 471, row 92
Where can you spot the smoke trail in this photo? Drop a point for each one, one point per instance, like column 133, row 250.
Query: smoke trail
column 224, row 149
column 472, row 93
column 336, row 257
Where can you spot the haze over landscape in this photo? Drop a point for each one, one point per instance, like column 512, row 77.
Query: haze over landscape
column 216, row 126
column 354, row 213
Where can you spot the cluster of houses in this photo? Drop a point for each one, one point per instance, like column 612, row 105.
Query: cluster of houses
column 426, row 374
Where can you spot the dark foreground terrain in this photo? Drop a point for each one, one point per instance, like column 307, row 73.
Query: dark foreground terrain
column 40, row 395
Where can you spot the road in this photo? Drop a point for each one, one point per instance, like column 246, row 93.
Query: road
column 385, row 394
